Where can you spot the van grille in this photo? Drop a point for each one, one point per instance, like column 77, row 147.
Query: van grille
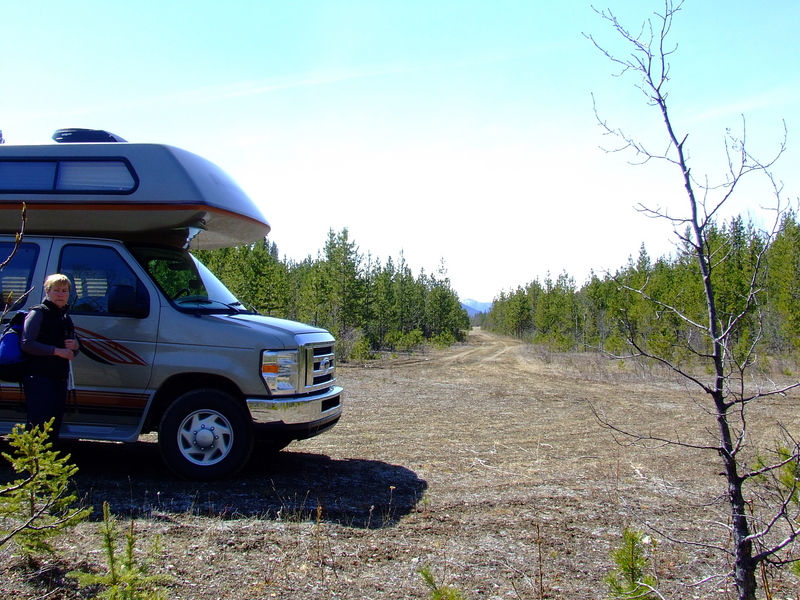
column 320, row 367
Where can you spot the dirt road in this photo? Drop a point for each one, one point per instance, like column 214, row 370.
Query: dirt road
column 484, row 461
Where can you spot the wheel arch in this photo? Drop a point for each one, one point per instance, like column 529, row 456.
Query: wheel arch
column 178, row 385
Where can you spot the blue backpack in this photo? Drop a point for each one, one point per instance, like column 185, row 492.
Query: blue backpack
column 12, row 360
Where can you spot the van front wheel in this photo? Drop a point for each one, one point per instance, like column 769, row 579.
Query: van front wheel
column 205, row 434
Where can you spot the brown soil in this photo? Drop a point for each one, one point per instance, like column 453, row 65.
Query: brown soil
column 484, row 461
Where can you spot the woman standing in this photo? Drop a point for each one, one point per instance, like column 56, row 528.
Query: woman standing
column 49, row 343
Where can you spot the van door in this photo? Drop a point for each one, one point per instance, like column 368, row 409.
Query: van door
column 116, row 312
column 20, row 285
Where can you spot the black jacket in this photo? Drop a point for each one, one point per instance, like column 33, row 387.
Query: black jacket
column 55, row 326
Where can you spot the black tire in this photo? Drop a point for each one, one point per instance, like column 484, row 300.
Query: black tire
column 205, row 434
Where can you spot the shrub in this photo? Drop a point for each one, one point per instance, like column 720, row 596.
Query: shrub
column 629, row 580
column 438, row 591
column 37, row 506
column 125, row 578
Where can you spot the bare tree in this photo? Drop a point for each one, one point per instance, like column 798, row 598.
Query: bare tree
column 763, row 518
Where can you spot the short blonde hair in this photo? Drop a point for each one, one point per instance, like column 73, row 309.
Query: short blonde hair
column 56, row 279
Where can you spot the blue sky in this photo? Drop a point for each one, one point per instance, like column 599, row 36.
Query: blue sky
column 456, row 130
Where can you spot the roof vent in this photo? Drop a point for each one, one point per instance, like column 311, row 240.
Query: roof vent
column 74, row 136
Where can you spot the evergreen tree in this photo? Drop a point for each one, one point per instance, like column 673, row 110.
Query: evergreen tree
column 344, row 283
column 783, row 288
column 385, row 305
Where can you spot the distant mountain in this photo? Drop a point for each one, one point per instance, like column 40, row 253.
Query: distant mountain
column 473, row 307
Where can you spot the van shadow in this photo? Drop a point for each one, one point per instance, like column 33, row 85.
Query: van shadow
column 293, row 486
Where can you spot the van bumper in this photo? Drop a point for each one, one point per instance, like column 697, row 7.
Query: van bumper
column 298, row 417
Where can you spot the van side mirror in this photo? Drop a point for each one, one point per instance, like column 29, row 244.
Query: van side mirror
column 123, row 301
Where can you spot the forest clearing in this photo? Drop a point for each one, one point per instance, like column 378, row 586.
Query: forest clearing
column 483, row 461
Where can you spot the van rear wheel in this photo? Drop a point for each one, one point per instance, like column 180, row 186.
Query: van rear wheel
column 205, row 434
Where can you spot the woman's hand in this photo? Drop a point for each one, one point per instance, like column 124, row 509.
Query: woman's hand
column 65, row 353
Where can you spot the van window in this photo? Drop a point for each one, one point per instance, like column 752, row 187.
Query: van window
column 17, row 275
column 94, row 272
column 189, row 285
column 83, row 176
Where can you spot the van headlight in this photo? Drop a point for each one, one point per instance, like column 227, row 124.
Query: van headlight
column 280, row 370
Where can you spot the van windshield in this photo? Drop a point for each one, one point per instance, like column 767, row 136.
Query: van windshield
column 188, row 284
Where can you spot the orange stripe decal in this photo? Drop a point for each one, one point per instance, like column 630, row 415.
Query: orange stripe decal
column 108, row 349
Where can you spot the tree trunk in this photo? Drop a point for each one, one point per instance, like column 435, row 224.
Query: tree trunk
column 744, row 564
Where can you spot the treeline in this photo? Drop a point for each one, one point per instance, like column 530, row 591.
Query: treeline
column 606, row 310
column 369, row 306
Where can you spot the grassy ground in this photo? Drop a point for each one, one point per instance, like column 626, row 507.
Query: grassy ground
column 484, row 461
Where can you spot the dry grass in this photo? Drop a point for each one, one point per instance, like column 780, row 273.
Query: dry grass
column 484, row 461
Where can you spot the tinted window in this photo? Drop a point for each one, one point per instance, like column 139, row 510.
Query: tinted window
column 87, row 176
column 94, row 272
column 17, row 176
column 17, row 275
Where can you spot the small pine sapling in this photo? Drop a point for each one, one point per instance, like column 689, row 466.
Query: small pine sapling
column 629, row 580
column 439, row 592
column 37, row 506
column 125, row 578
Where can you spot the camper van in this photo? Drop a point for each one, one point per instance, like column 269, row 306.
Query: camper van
column 165, row 346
